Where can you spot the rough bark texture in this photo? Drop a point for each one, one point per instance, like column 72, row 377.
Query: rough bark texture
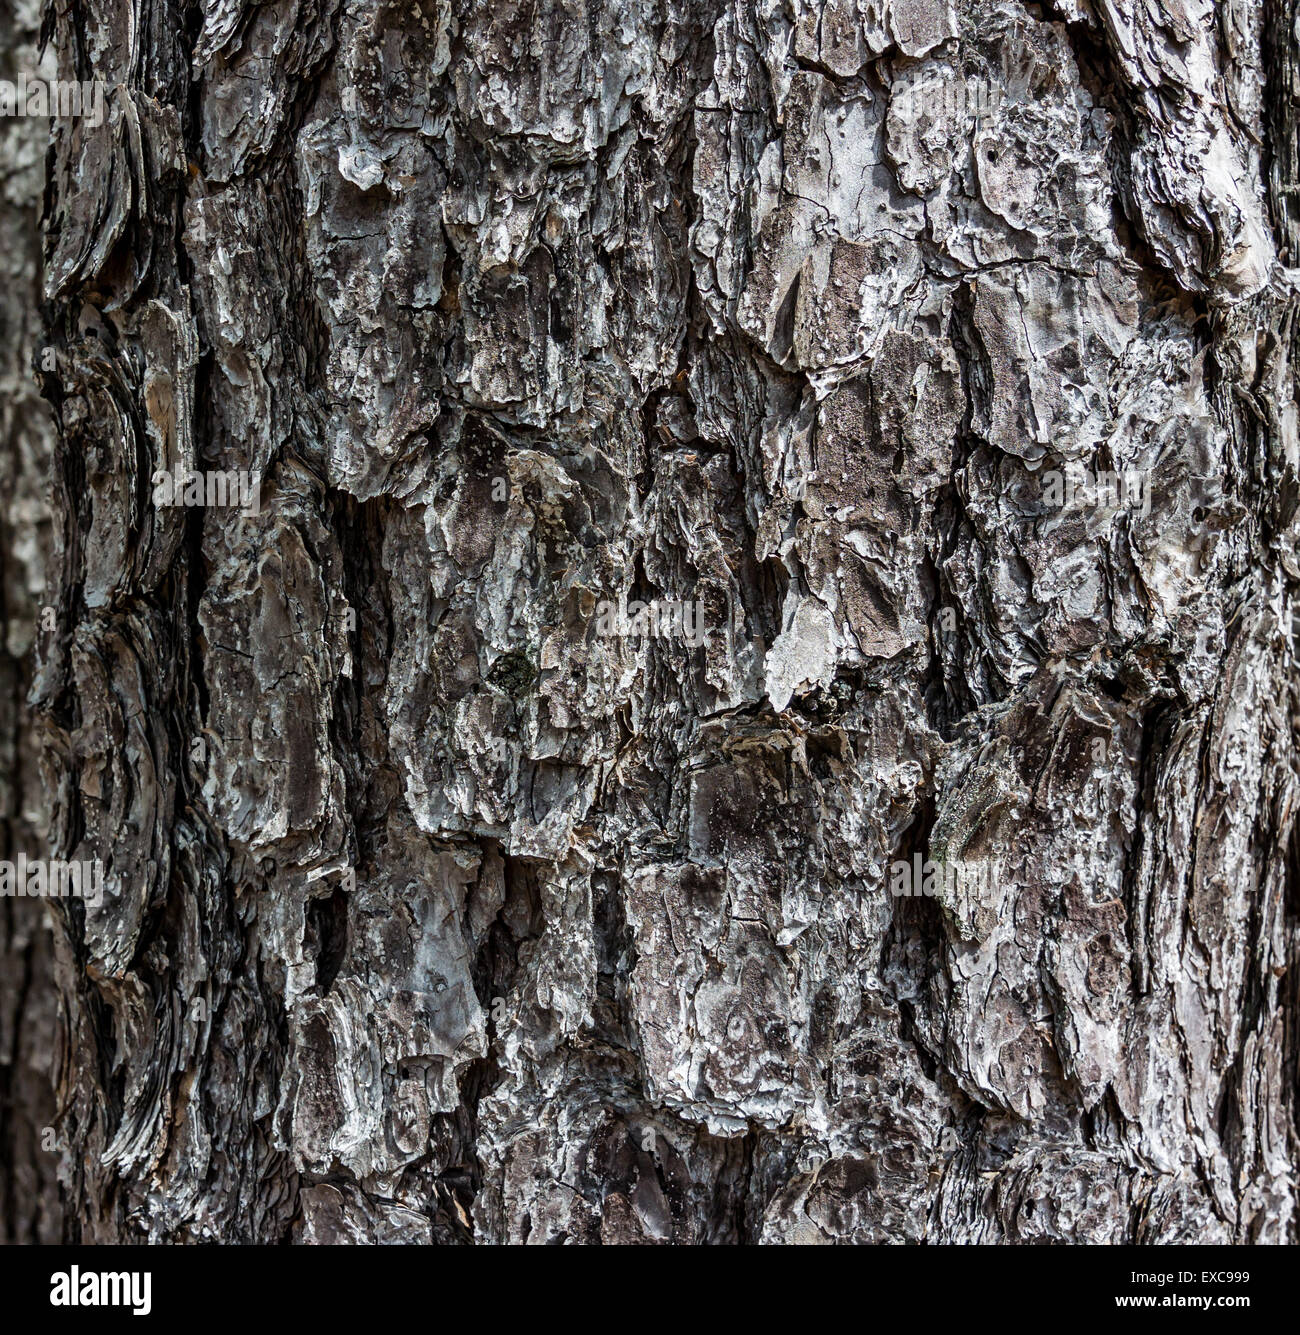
column 432, row 913
column 29, row 1201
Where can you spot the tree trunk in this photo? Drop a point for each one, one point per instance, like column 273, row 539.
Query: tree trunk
column 29, row 1201
column 938, row 883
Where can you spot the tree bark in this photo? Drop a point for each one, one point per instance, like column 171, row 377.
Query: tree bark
column 439, row 908
column 29, row 1200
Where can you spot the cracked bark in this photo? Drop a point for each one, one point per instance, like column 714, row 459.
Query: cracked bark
column 29, row 1202
column 432, row 913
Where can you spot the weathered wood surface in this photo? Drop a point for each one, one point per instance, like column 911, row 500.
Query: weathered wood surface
column 435, row 914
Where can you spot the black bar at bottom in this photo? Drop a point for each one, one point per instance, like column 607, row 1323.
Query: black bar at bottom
column 341, row 1285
